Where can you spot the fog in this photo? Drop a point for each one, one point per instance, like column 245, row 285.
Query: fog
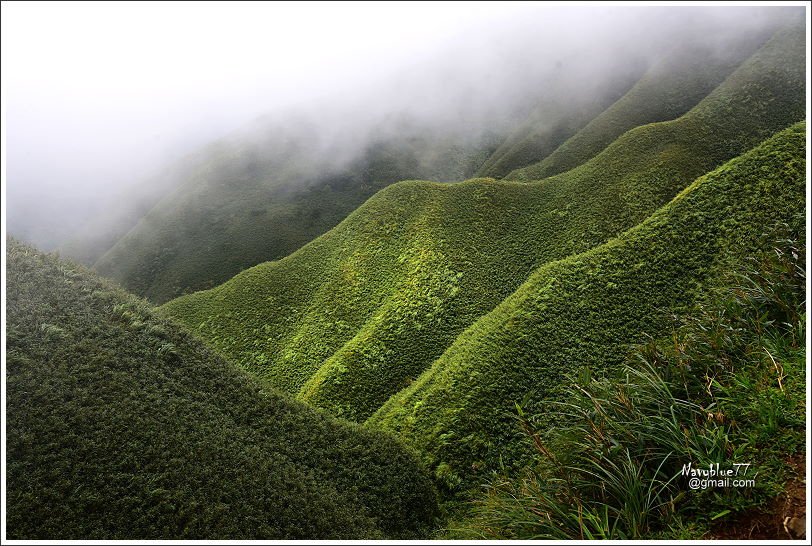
column 101, row 99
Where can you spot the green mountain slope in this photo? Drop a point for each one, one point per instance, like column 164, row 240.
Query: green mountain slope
column 355, row 316
column 556, row 118
column 586, row 310
column 255, row 199
column 119, row 214
column 668, row 90
column 121, row 425
column 562, row 135
column 653, row 415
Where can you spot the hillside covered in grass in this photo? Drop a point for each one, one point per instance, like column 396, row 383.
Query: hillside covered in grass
column 558, row 117
column 668, row 90
column 120, row 425
column 725, row 387
column 585, row 311
column 271, row 188
column 264, row 192
column 357, row 315
column 560, row 137
column 511, row 282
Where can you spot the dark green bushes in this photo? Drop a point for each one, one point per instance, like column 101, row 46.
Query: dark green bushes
column 122, row 426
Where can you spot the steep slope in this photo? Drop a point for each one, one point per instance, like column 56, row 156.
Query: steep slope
column 260, row 197
column 748, row 333
column 566, row 134
column 358, row 314
column 556, row 118
column 120, row 213
column 669, row 89
column 585, row 311
column 121, row 425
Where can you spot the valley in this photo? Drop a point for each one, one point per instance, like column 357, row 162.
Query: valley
column 436, row 331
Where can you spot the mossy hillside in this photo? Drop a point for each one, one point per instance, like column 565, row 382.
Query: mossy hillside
column 358, row 314
column 121, row 425
column 583, row 312
column 250, row 202
column 670, row 88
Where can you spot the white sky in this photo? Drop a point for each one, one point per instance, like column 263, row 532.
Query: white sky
column 136, row 69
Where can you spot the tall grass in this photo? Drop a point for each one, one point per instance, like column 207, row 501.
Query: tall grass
column 727, row 387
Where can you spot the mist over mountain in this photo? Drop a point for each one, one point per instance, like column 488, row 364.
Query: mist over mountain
column 94, row 123
column 404, row 270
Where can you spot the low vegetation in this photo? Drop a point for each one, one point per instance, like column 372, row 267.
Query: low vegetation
column 556, row 118
column 584, row 311
column 727, row 388
column 249, row 202
column 354, row 317
column 668, row 90
column 537, row 356
column 122, row 426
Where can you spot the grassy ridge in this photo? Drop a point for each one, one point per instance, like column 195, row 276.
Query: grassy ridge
column 612, row 465
column 358, row 314
column 250, row 202
column 668, row 90
column 121, row 425
column 584, row 311
column 554, row 120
